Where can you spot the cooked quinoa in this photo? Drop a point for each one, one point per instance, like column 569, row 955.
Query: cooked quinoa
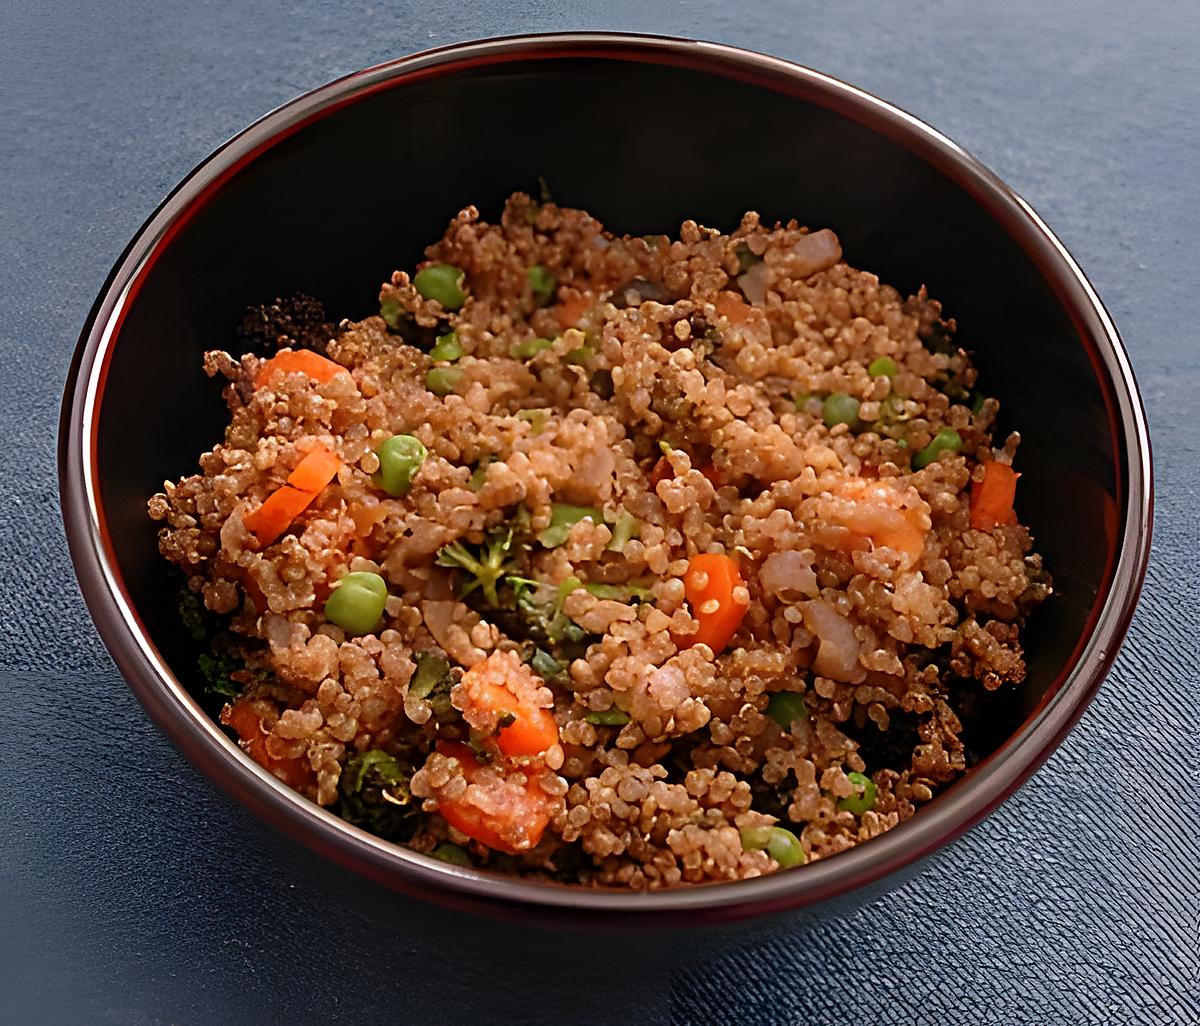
column 674, row 561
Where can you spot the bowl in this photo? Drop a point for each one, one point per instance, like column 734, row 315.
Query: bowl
column 332, row 191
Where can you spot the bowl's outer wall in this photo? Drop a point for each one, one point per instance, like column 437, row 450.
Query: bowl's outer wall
column 338, row 205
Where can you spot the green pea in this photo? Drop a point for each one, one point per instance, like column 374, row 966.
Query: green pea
column 446, row 347
column 782, row 845
column 785, row 848
column 541, row 283
column 580, row 354
column 882, row 367
column 443, row 284
column 607, row 718
column 755, row 838
column 442, row 380
column 453, row 854
column 391, row 311
column 356, row 604
column 785, row 707
column 946, row 440
column 864, row 798
column 528, row 348
column 400, row 457
column 563, row 517
column 840, row 408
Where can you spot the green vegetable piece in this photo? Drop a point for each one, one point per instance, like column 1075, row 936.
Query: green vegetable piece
column 782, row 845
column 478, row 476
column 375, row 795
column 977, row 404
column 400, row 457
column 442, row 380
column 882, row 367
column 216, row 671
column 536, row 419
column 785, row 707
column 665, row 448
column 580, row 354
column 607, row 718
column 571, row 584
column 785, row 848
column 624, row 531
column 356, row 604
column 620, row 592
column 431, row 669
column 544, row 664
column 801, row 399
column 357, row 767
column 840, row 408
column 541, row 283
column 543, row 622
column 442, row 283
column 487, row 565
column 528, row 348
column 193, row 615
column 563, row 517
column 392, row 312
column 453, row 854
column 755, row 838
column 433, row 680
column 946, row 440
column 447, row 347
column 864, row 798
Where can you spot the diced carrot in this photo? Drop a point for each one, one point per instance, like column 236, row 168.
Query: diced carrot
column 502, row 687
column 718, row 599
column 571, row 309
column 732, row 307
column 518, row 814
column 316, row 470
column 276, row 514
column 709, row 471
column 303, row 361
column 246, row 721
column 992, row 498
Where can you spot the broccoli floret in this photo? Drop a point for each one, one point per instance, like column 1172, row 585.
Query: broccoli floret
column 217, row 669
column 485, row 564
column 374, row 795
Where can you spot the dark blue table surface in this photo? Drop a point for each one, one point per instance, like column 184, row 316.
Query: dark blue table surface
column 131, row 891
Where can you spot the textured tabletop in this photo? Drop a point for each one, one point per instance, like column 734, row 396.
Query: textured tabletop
column 131, row 891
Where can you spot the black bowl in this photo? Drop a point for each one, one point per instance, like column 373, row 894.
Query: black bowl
column 333, row 191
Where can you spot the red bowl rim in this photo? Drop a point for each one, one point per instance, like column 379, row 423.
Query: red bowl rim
column 943, row 820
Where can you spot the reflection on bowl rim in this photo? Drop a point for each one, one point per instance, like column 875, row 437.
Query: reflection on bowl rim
column 947, row 817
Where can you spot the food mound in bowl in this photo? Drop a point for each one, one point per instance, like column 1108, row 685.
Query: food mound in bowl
column 626, row 562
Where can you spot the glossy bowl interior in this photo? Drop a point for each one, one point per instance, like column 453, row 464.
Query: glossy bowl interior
column 332, row 192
